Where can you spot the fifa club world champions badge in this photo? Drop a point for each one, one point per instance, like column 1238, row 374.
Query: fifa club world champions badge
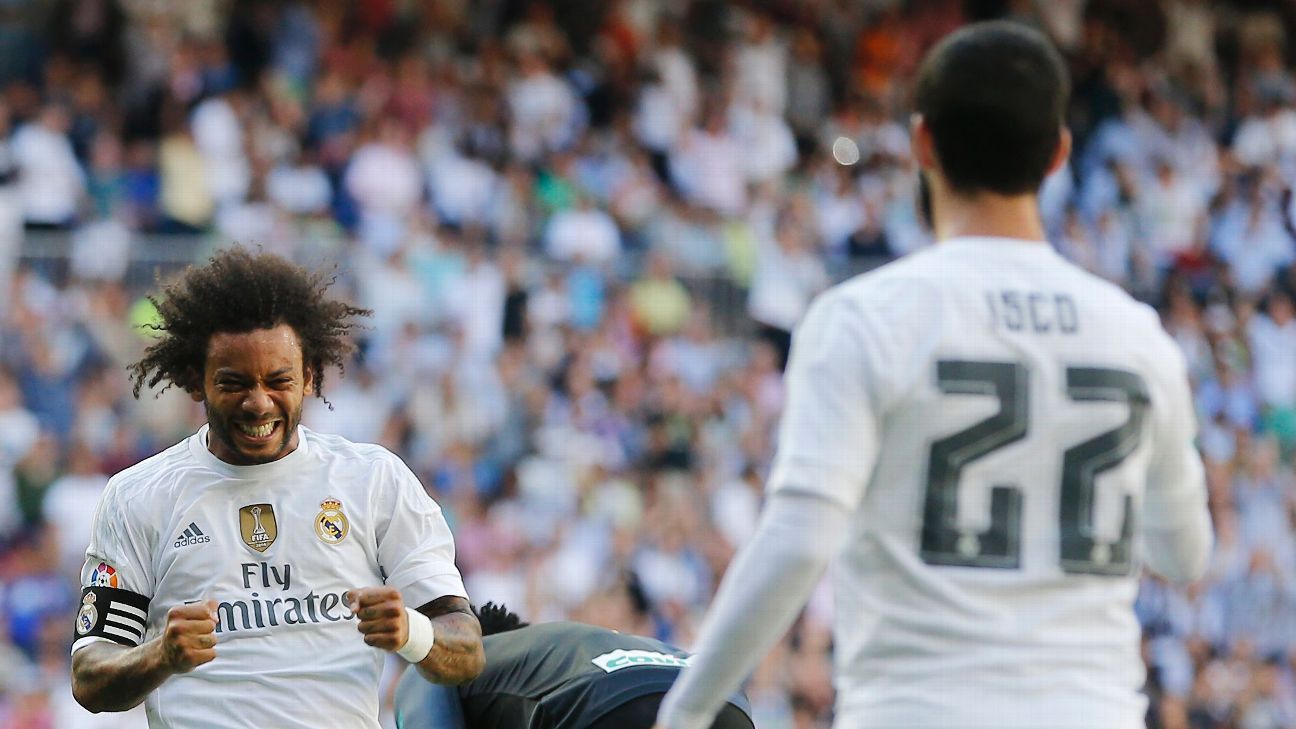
column 258, row 526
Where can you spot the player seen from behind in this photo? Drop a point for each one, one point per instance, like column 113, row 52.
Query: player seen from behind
column 988, row 440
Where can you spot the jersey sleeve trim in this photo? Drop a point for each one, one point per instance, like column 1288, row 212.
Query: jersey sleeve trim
column 89, row 640
column 109, row 613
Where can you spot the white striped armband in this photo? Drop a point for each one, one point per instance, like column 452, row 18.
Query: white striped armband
column 117, row 615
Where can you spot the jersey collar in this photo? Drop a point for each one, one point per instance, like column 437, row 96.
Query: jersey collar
column 997, row 243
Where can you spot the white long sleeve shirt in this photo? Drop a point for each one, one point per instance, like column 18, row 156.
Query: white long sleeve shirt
column 989, row 441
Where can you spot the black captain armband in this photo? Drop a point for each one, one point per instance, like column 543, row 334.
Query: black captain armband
column 108, row 612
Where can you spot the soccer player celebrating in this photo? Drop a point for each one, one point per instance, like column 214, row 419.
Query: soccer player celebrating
column 989, row 440
column 227, row 576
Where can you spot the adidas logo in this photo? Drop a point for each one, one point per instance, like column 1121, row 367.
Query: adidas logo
column 192, row 535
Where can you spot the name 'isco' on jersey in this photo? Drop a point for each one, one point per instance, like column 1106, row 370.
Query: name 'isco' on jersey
column 995, row 418
column 277, row 546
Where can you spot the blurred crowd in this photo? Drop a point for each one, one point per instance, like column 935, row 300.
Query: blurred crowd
column 586, row 230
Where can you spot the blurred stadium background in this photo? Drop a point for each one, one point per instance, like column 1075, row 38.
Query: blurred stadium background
column 586, row 229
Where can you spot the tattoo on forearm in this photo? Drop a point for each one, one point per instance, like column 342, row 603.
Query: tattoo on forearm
column 456, row 654
column 110, row 677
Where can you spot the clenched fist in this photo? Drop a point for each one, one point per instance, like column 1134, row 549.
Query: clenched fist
column 189, row 639
column 381, row 613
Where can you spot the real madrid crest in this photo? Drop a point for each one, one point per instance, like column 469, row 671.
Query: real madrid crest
column 87, row 616
column 331, row 524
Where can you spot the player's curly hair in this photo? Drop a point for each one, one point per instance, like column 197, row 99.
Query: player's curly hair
column 497, row 619
column 239, row 291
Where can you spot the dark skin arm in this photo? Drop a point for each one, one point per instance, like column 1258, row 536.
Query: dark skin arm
column 113, row 677
column 456, row 654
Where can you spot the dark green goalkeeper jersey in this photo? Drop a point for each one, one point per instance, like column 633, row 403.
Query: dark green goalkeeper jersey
column 560, row 675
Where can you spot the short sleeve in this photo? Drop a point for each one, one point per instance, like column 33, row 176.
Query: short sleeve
column 117, row 578
column 121, row 546
column 416, row 550
column 828, row 435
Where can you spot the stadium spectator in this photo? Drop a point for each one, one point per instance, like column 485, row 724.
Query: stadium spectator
column 788, row 275
column 384, row 179
column 50, row 179
column 583, row 234
column 659, row 301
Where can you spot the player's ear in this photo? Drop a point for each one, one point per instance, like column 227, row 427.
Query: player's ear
column 1063, row 151
column 195, row 386
column 308, row 382
column 921, row 142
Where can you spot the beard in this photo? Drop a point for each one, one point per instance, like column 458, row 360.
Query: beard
column 222, row 427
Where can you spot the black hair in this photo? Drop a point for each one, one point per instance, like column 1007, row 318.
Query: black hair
column 497, row 619
column 994, row 95
column 239, row 291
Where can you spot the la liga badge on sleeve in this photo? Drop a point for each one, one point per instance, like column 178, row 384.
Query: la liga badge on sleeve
column 331, row 525
column 104, row 576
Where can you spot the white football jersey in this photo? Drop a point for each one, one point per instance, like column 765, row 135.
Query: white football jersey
column 994, row 418
column 277, row 545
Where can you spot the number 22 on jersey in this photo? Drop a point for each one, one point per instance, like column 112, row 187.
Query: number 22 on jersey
column 943, row 543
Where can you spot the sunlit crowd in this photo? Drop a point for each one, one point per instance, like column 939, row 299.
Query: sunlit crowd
column 586, row 232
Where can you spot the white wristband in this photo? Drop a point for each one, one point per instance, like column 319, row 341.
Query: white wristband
column 421, row 637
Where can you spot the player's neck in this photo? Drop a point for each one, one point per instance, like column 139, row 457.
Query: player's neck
column 988, row 215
